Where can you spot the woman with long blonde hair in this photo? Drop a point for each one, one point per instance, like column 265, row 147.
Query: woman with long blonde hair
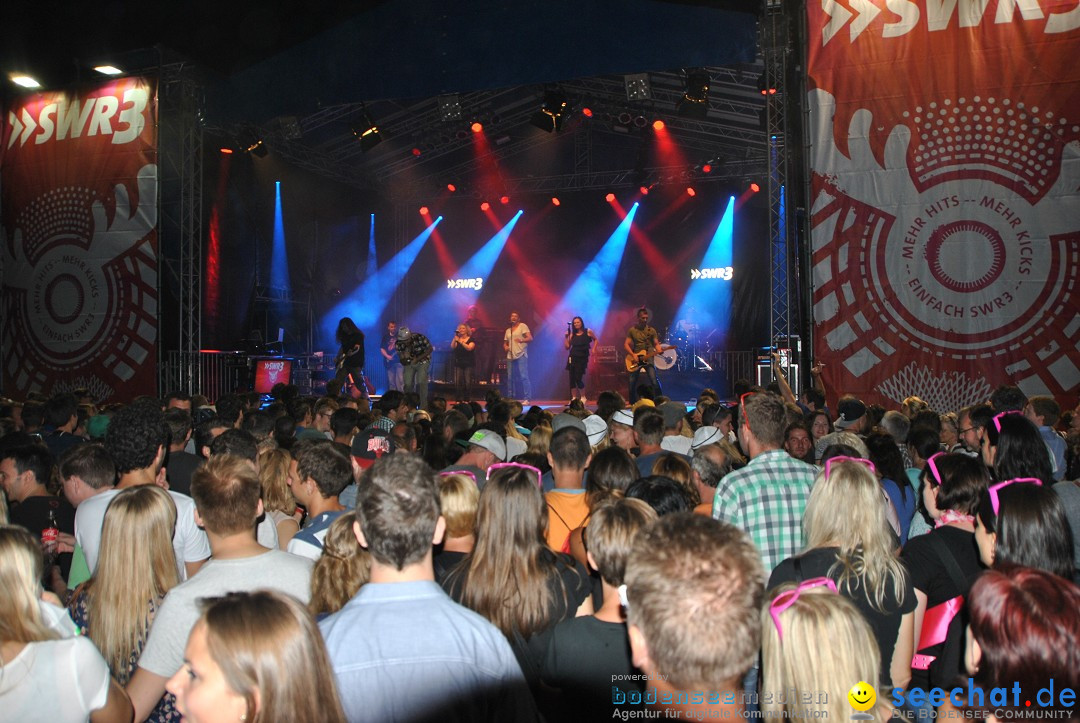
column 278, row 500
column 256, row 657
column 849, row 541
column 32, row 649
column 815, row 647
column 512, row 577
column 136, row 567
column 342, row 568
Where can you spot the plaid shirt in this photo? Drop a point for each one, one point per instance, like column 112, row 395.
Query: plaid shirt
column 767, row 499
column 414, row 350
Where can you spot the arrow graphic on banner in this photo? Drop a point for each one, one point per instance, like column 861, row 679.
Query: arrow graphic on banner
column 695, row 274
column 31, row 126
column 865, row 12
column 16, row 128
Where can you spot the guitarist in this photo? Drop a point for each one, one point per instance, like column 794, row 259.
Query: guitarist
column 395, row 373
column 350, row 359
column 643, row 342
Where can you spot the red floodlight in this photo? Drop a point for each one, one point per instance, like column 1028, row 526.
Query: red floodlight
column 555, row 201
column 477, row 127
column 485, row 206
column 227, row 151
column 504, row 200
column 610, row 198
column 658, row 125
column 416, row 151
column 690, row 191
column 644, row 190
column 587, row 112
column 424, row 211
column 754, row 187
column 451, row 187
column 707, row 168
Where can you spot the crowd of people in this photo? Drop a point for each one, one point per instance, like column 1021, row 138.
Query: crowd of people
column 316, row 559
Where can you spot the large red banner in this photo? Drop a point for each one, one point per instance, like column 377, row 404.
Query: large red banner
column 79, row 212
column 945, row 199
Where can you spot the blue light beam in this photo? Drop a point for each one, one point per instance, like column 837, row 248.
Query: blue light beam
column 707, row 302
column 279, row 259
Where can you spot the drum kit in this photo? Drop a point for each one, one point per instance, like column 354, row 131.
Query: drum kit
column 691, row 349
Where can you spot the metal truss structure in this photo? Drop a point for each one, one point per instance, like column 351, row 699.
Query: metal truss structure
column 180, row 229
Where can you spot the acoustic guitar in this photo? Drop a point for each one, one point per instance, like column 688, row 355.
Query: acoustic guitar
column 644, row 358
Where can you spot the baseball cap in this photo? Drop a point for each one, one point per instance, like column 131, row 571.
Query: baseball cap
column 704, row 436
column 563, row 419
column 643, row 403
column 403, row 333
column 623, row 416
column 673, row 412
column 491, row 441
column 596, row 428
column 371, row 444
column 851, row 411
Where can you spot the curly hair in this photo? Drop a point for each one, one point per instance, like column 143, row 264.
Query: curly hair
column 134, row 436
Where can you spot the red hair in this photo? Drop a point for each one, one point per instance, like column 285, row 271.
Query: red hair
column 1026, row 624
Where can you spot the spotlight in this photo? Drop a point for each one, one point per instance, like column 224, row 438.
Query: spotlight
column 451, row 187
column 449, row 108
column 644, row 190
column 550, row 116
column 637, row 86
column 587, row 112
column 658, row 125
column 690, row 191
column 707, row 168
column 367, row 132
column 555, row 201
column 477, row 127
column 424, row 211
column 25, row 81
column 226, row 151
column 755, row 187
column 108, row 70
column 610, row 198
column 764, row 88
column 504, row 200
column 416, row 152
column 249, row 140
column 485, row 206
column 695, row 101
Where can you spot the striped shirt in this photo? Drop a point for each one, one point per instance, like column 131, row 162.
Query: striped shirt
column 767, row 499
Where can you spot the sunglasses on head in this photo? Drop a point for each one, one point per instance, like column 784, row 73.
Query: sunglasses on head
column 995, row 501
column 932, row 464
column 787, row 598
column 529, row 467
column 997, row 419
column 860, row 460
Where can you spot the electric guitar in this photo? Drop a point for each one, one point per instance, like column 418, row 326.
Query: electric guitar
column 643, row 358
column 343, row 355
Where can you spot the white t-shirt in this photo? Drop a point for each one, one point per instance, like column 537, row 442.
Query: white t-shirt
column 189, row 542
column 274, row 570
column 56, row 680
column 677, row 443
column 514, row 337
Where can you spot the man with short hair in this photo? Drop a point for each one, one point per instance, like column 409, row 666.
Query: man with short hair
column 401, row 649
column 178, row 400
column 1008, row 398
column 649, row 433
column 392, row 409
column 320, row 423
column 898, row 425
column 971, row 426
column 230, row 407
column 136, row 441
column 516, row 345
column 694, row 588
column 797, row 442
column 61, row 419
column 23, row 473
column 228, row 501
column 641, row 342
column 707, row 467
column 768, row 496
column 85, row 471
column 404, row 436
column 181, row 464
column 674, row 422
column 388, row 349
column 343, row 425
column 568, row 454
column 1044, row 412
column 207, row 431
column 485, row 449
column 317, row 475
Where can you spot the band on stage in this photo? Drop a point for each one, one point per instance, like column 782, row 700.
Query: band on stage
column 407, row 356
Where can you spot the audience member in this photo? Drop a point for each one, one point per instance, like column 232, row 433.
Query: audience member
column 458, row 498
column 317, row 475
column 1020, row 522
column 340, row 570
column 278, row 501
column 180, row 464
column 567, row 503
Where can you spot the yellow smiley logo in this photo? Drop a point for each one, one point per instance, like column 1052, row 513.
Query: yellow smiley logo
column 862, row 696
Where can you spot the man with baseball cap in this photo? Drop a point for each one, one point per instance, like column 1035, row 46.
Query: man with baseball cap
column 674, row 420
column 485, row 449
column 852, row 415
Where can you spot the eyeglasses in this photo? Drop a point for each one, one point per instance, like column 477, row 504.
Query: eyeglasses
column 932, row 464
column 742, row 410
column 467, row 473
column 997, row 419
column 860, row 460
column 995, row 501
column 787, row 598
column 529, row 467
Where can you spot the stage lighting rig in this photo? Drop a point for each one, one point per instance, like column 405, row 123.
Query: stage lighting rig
column 695, row 101
column 367, row 132
column 550, row 116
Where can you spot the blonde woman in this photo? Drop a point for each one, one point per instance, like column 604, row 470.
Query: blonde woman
column 817, row 642
column 136, row 567
column 32, row 651
column 278, row 500
column 540, row 440
column 677, row 468
column 256, row 657
column 848, row 542
column 342, row 568
column 459, row 498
